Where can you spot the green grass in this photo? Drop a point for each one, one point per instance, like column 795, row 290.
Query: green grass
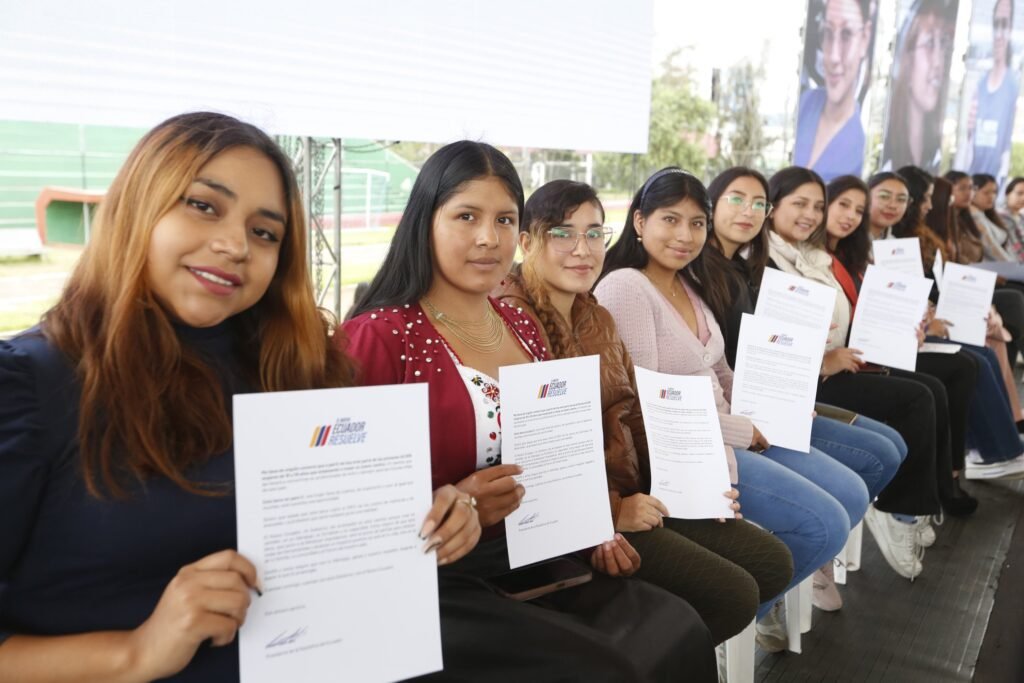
column 23, row 316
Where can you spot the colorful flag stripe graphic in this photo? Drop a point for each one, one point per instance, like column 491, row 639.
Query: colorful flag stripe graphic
column 320, row 435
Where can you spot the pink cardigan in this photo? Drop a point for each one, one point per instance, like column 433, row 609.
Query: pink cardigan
column 659, row 339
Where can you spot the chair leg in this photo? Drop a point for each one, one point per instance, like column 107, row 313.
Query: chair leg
column 793, row 599
column 739, row 656
column 853, row 547
column 806, row 588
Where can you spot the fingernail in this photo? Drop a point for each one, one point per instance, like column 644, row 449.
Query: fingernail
column 443, row 561
column 428, row 528
column 258, row 587
column 431, row 544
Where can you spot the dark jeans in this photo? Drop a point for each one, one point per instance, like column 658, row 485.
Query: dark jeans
column 909, row 407
column 990, row 424
column 607, row 630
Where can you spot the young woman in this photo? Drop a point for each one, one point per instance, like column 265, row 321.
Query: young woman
column 966, row 235
column 1011, row 213
column 994, row 236
column 655, row 285
column 427, row 317
column 116, row 465
column 993, row 104
column 723, row 570
column 919, row 89
column 830, row 135
column 739, row 238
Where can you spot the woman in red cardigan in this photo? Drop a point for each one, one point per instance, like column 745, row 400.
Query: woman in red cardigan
column 427, row 317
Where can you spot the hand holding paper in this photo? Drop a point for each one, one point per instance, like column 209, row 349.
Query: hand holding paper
column 689, row 470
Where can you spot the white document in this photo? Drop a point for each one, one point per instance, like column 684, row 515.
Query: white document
column 890, row 308
column 552, row 428
column 689, row 469
column 933, row 347
column 966, row 301
column 937, row 269
column 795, row 299
column 901, row 254
column 330, row 500
column 776, row 379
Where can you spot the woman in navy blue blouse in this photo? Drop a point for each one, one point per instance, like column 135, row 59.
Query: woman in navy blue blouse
column 116, row 461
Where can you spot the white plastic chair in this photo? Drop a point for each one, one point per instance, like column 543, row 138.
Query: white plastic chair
column 739, row 656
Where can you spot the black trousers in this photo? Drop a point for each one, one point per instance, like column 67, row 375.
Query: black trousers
column 606, row 630
column 909, row 407
column 957, row 375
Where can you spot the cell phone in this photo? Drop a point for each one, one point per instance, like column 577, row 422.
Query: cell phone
column 528, row 583
column 872, row 368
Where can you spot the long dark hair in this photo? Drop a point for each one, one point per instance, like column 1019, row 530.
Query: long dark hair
column 408, row 269
column 667, row 187
column 546, row 208
column 980, row 180
column 750, row 269
column 942, row 218
column 785, row 183
column 917, row 181
column 853, row 250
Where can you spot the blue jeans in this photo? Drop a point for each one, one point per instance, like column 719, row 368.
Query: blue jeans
column 990, row 424
column 871, row 449
column 804, row 515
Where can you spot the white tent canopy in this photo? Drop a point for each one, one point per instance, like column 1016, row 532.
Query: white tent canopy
column 564, row 74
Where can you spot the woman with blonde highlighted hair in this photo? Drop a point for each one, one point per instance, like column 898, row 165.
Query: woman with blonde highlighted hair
column 117, row 560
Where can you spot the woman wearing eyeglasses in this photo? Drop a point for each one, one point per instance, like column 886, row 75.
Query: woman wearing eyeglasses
column 830, row 136
column 723, row 570
column 914, row 134
column 990, row 123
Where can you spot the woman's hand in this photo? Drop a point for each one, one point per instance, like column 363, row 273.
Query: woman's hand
column 758, row 443
column 640, row 512
column 939, row 328
column 452, row 525
column 615, row 558
column 497, row 494
column 206, row 600
column 841, row 360
column 734, row 496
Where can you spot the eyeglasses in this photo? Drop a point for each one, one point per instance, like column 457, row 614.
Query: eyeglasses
column 845, row 35
column 899, row 199
column 935, row 44
column 755, row 205
column 1001, row 24
column 565, row 239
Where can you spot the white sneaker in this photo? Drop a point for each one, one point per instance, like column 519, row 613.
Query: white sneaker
column 1008, row 469
column 772, row 635
column 897, row 541
column 973, row 455
column 925, row 532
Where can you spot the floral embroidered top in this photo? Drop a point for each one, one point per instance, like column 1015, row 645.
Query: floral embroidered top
column 399, row 344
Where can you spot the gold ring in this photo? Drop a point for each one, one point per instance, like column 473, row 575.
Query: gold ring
column 471, row 501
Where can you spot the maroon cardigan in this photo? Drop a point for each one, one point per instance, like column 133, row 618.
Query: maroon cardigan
column 399, row 345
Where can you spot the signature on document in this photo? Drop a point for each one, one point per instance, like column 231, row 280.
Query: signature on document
column 529, row 519
column 286, row 638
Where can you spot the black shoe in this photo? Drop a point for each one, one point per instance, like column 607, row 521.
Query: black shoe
column 961, row 504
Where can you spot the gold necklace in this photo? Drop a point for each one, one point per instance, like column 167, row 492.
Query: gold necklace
column 671, row 287
column 484, row 335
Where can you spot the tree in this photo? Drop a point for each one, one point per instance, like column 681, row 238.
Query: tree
column 739, row 115
column 679, row 123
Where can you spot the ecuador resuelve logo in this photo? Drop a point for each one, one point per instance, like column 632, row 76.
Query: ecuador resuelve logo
column 556, row 387
column 343, row 431
column 670, row 394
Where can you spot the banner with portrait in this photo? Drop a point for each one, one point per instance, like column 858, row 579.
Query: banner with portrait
column 835, row 76
column 919, row 84
column 991, row 86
